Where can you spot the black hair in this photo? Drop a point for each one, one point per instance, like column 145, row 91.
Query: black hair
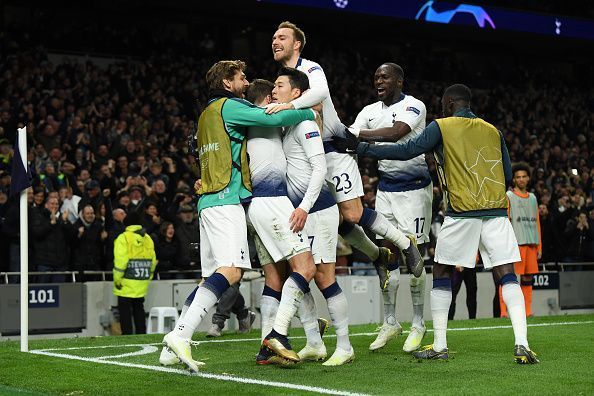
column 133, row 218
column 397, row 69
column 297, row 78
column 521, row 166
column 258, row 90
column 459, row 92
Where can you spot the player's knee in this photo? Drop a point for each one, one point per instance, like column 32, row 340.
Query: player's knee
column 323, row 279
column 351, row 215
column 232, row 274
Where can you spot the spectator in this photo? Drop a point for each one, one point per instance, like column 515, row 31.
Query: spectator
column 51, row 233
column 151, row 220
column 187, row 232
column 134, row 266
column 117, row 227
column 168, row 250
column 87, row 254
column 580, row 236
column 92, row 195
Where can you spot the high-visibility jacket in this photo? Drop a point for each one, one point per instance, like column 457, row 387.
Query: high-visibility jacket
column 134, row 262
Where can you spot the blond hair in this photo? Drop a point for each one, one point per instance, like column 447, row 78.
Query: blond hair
column 223, row 70
column 298, row 33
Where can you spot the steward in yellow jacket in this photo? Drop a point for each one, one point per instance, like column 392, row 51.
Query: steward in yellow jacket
column 133, row 269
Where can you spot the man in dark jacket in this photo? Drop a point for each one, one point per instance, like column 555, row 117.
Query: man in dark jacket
column 186, row 229
column 113, row 231
column 88, row 244
column 51, row 232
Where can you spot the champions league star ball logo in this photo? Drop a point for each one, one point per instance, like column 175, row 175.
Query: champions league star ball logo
column 431, row 15
column 341, row 3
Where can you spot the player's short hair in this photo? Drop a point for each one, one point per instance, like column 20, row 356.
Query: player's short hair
column 521, row 166
column 297, row 78
column 458, row 92
column 397, row 69
column 298, row 33
column 223, row 70
column 258, row 90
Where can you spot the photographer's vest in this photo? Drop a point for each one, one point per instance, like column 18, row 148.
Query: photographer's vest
column 471, row 169
column 215, row 148
column 523, row 214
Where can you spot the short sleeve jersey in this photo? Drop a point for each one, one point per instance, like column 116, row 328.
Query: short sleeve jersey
column 398, row 175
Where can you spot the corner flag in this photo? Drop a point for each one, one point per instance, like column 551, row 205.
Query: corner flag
column 20, row 179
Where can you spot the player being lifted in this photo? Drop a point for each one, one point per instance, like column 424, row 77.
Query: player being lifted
column 287, row 44
column 272, row 215
column 306, row 166
column 473, row 168
column 221, row 135
column 404, row 193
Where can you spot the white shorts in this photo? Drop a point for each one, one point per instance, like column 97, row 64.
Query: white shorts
column 344, row 176
column 270, row 218
column 322, row 231
column 409, row 211
column 223, row 239
column 460, row 239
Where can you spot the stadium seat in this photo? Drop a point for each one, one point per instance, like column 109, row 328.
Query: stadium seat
column 160, row 314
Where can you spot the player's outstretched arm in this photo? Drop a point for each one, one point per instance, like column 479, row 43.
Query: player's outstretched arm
column 242, row 113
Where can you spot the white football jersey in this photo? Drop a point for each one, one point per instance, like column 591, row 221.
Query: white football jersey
column 268, row 165
column 319, row 93
column 398, row 175
column 300, row 143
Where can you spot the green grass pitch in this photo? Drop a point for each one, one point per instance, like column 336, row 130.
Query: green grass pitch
column 480, row 363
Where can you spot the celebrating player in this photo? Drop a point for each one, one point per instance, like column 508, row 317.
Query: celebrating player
column 274, row 219
column 287, row 44
column 404, row 193
column 473, row 167
column 221, row 133
column 318, row 212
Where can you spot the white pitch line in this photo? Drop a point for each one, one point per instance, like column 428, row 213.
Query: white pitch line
column 146, row 349
column 325, row 336
column 203, row 375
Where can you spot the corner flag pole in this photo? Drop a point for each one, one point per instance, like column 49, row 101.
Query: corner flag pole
column 24, row 233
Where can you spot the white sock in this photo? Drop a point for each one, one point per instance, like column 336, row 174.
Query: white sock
column 202, row 303
column 268, row 308
column 338, row 307
column 389, row 297
column 360, row 241
column 382, row 227
column 309, row 320
column 417, row 292
column 440, row 306
column 514, row 299
column 289, row 303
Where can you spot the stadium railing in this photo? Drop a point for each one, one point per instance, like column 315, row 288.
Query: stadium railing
column 71, row 276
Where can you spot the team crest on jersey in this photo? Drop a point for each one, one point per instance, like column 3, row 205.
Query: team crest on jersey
column 311, row 69
column 312, row 134
column 414, row 110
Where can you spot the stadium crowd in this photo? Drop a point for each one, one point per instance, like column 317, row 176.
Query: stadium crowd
column 107, row 140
